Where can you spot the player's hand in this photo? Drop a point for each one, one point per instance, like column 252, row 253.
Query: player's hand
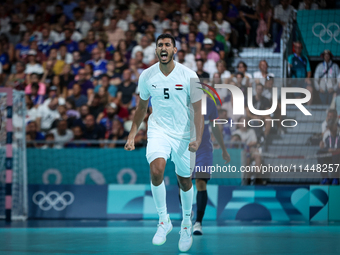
column 130, row 144
column 193, row 146
column 226, row 156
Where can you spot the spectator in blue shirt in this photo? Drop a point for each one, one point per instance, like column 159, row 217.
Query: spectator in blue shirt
column 22, row 48
column 45, row 44
column 97, row 63
column 70, row 45
column 105, row 82
column 68, row 7
column 90, row 41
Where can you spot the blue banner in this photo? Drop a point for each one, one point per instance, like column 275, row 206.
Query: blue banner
column 106, row 166
column 242, row 203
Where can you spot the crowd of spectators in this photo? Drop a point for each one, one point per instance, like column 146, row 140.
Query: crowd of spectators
column 78, row 62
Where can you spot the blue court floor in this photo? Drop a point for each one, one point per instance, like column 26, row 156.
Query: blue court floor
column 134, row 237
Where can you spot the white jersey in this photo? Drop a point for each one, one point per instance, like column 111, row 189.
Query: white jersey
column 171, row 98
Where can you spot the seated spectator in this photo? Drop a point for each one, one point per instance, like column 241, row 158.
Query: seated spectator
column 115, row 78
column 249, row 16
column 126, row 90
column 93, row 131
column 86, row 85
column 325, row 77
column 222, row 69
column 140, row 20
column 82, row 25
column 200, row 72
column 119, row 63
column 31, row 111
column 209, row 65
column 114, row 33
column 45, row 44
column 91, row 42
column 46, row 115
column 161, row 22
column 71, row 45
column 65, row 78
column 283, row 13
column 34, row 135
column 194, row 46
column 106, row 121
column 332, row 114
column 36, row 99
column 77, row 64
column 308, row 5
column 84, row 111
column 32, row 65
column 62, row 134
column 77, row 137
column 22, row 48
column 180, row 58
column 265, row 13
column 48, row 73
column 57, row 64
column 202, row 26
column 105, row 83
column 222, row 25
column 147, row 48
column 260, row 76
column 84, row 54
column 96, row 107
column 76, row 36
column 97, row 63
column 17, row 80
column 34, row 78
column 117, row 134
column 218, row 46
column 53, row 93
column 189, row 58
column 330, row 144
column 139, row 61
column 242, row 68
column 64, row 55
column 260, row 103
column 208, row 48
column 50, row 139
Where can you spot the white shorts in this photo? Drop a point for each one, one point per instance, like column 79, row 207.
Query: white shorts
column 161, row 145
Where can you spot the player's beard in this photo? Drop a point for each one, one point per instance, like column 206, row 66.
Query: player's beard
column 170, row 56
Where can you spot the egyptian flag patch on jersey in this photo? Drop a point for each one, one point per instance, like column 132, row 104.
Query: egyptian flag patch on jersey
column 179, row 87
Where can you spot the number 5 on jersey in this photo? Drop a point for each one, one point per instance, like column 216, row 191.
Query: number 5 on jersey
column 166, row 93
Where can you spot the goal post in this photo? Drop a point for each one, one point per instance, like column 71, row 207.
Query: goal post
column 13, row 169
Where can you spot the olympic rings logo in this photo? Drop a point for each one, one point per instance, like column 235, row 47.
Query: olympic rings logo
column 327, row 30
column 53, row 200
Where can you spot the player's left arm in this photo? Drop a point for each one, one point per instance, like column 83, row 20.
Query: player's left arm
column 199, row 126
column 219, row 137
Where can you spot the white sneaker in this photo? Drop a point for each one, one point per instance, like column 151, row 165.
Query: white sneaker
column 197, row 229
column 163, row 228
column 185, row 240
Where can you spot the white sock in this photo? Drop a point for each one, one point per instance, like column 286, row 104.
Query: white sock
column 187, row 199
column 159, row 197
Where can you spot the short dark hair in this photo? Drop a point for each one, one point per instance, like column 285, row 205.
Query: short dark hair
column 163, row 36
column 242, row 63
column 239, row 73
column 77, row 9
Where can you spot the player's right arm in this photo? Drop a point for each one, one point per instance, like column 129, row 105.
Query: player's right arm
column 137, row 120
column 139, row 114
